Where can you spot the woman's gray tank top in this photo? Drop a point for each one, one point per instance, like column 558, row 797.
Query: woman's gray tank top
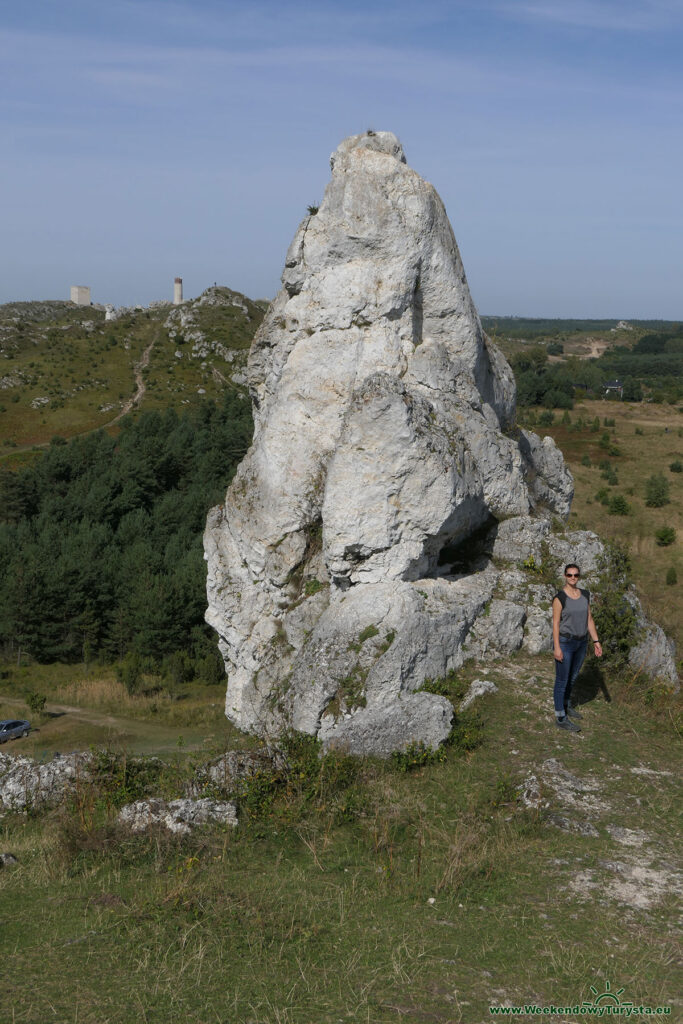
column 574, row 616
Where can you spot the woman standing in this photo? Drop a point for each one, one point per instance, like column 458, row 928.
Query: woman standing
column 572, row 624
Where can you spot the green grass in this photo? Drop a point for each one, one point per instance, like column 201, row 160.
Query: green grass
column 642, row 455
column 420, row 896
column 93, row 709
column 87, row 373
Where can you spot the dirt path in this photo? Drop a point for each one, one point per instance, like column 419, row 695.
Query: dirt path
column 85, row 714
column 138, row 735
column 139, row 383
column 598, row 346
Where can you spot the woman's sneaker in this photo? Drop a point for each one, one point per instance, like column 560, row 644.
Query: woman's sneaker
column 572, row 712
column 566, row 723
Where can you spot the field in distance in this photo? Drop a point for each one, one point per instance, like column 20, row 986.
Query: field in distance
column 616, row 461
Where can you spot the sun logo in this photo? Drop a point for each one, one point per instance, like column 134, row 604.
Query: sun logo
column 607, row 997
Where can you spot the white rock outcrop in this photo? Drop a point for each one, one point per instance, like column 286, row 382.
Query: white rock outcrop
column 179, row 816
column 28, row 784
column 384, row 446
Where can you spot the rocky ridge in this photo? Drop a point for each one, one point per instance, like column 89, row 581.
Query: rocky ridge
column 202, row 336
column 389, row 519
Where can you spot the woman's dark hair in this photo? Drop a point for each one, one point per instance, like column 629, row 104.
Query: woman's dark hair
column 572, row 565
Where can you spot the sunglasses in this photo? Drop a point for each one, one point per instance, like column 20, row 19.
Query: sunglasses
column 570, row 575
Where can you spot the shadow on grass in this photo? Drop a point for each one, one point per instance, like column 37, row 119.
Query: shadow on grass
column 590, row 683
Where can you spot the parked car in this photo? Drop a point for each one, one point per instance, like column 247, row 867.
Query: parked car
column 13, row 728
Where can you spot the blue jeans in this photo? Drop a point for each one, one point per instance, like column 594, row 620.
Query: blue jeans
column 566, row 671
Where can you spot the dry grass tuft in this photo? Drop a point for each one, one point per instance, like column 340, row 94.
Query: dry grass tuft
column 109, row 694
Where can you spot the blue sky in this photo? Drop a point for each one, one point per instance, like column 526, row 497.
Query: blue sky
column 144, row 139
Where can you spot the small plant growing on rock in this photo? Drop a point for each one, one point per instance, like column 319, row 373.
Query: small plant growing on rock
column 388, row 641
column 447, row 686
column 367, row 633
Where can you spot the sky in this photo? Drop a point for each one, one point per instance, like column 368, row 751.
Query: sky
column 144, row 139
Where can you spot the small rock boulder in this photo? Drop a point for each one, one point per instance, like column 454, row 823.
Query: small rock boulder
column 27, row 783
column 179, row 816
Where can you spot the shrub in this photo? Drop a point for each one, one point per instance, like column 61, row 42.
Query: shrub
column 566, row 419
column 676, row 466
column 665, row 536
column 447, row 686
column 416, row 755
column 602, row 496
column 640, row 431
column 595, row 425
column 467, row 733
column 586, row 460
column 129, row 672
column 618, row 505
column 546, row 418
column 210, row 669
column 657, row 491
column 671, row 577
column 614, row 617
column 36, row 702
column 178, row 668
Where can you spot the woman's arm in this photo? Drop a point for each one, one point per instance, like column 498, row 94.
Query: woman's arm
column 557, row 611
column 593, row 633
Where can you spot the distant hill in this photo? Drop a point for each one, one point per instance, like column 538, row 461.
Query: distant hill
column 520, row 327
column 65, row 369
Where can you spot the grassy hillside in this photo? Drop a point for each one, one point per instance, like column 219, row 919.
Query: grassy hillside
column 642, row 440
column 371, row 891
column 64, row 370
column 520, row 865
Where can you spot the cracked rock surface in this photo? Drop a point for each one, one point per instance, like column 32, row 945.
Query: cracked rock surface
column 384, row 445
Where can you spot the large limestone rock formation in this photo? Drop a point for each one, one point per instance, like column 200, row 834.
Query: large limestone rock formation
column 384, row 439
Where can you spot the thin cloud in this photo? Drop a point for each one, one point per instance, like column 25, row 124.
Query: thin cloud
column 621, row 16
